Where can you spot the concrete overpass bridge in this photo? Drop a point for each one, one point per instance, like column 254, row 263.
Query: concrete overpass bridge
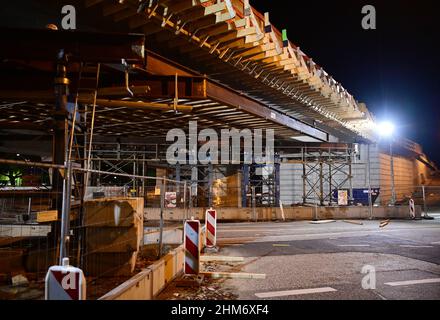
column 103, row 97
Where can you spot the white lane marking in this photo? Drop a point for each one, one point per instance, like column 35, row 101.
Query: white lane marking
column 294, row 292
column 438, row 242
column 413, row 246
column 327, row 235
column 410, row 282
column 379, row 295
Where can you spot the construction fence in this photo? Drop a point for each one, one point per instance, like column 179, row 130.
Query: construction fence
column 105, row 234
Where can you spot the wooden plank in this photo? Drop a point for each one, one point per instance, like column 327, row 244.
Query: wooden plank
column 47, row 216
column 353, row 222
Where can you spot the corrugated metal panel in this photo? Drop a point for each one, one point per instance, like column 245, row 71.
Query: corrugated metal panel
column 404, row 176
column 291, row 184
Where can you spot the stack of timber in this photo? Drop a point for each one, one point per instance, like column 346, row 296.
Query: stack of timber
column 114, row 233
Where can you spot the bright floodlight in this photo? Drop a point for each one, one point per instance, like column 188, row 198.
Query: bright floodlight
column 386, row 128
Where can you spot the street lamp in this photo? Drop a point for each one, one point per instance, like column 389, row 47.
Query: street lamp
column 386, row 129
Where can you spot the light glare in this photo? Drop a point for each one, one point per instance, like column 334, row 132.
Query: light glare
column 386, row 128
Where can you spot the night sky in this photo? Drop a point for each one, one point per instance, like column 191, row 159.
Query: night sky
column 394, row 69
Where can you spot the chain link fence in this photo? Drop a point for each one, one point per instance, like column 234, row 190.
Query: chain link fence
column 108, row 234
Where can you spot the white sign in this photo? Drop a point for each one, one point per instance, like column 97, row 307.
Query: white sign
column 170, row 199
column 342, row 197
column 65, row 283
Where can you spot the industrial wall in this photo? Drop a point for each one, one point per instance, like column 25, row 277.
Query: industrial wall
column 291, row 181
column 371, row 166
column 405, row 177
column 292, row 176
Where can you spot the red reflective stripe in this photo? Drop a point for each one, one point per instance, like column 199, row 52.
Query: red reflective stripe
column 59, row 276
column 212, row 213
column 192, row 248
column 210, row 228
column 209, row 242
column 194, row 225
column 189, row 270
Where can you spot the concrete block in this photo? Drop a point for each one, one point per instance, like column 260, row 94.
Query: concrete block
column 173, row 236
column 113, row 212
column 169, row 269
column 115, row 239
column 158, row 272
column 110, row 264
column 149, row 282
column 180, row 258
column 137, row 288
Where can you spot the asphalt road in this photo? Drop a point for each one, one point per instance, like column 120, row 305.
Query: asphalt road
column 302, row 260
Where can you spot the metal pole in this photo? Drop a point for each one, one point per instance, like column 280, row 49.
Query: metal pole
column 134, row 171
column 185, row 207
column 190, row 203
column 321, row 182
column 304, row 175
column 393, row 191
column 178, row 193
column 65, row 214
column 59, row 153
column 330, row 185
column 162, row 202
column 98, row 182
column 143, row 180
column 370, row 200
column 425, row 211
column 210, row 182
column 29, row 207
column 350, row 175
column 254, row 211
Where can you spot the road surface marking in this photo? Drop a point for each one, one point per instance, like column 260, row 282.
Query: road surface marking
column 353, row 245
column 221, row 258
column 280, row 245
column 410, row 282
column 294, row 292
column 438, row 242
column 379, row 295
column 413, row 246
column 234, row 275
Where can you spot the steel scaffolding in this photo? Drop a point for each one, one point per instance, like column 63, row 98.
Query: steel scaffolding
column 321, row 166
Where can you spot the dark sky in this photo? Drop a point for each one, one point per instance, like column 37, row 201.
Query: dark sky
column 395, row 69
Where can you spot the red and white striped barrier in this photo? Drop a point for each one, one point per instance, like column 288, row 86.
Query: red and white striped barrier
column 65, row 283
column 211, row 227
column 412, row 211
column 192, row 247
